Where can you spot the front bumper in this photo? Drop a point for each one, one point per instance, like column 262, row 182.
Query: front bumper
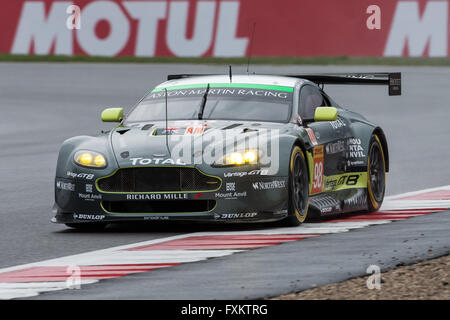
column 240, row 198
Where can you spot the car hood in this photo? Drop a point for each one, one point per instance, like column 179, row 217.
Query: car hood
column 144, row 144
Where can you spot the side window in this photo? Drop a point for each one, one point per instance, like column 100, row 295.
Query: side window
column 310, row 99
column 326, row 100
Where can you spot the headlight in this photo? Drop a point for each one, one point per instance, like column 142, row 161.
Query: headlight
column 90, row 159
column 238, row 158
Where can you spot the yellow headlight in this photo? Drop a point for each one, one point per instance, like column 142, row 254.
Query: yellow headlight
column 239, row 158
column 236, row 158
column 85, row 159
column 90, row 159
column 99, row 161
column 250, row 157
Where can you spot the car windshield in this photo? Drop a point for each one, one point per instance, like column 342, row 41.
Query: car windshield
column 240, row 102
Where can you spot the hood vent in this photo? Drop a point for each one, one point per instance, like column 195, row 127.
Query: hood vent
column 232, row 126
column 245, row 130
column 147, row 126
column 122, row 130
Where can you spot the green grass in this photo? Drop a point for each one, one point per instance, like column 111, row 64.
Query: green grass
column 235, row 61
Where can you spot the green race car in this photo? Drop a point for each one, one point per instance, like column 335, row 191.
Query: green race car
column 227, row 148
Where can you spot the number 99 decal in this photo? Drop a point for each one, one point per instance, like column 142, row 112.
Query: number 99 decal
column 317, row 182
column 318, row 175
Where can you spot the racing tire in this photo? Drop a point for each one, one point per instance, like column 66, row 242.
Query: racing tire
column 376, row 174
column 87, row 226
column 298, row 188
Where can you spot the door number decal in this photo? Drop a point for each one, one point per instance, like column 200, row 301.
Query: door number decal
column 317, row 183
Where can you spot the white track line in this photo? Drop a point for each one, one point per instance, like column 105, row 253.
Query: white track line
column 32, row 289
column 413, row 193
column 415, row 204
column 87, row 255
column 138, row 257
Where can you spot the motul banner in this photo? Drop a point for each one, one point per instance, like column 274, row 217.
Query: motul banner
column 224, row 28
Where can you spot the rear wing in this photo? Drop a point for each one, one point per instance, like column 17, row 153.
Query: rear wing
column 392, row 80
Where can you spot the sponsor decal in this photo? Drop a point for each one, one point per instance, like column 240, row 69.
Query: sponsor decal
column 222, row 29
column 146, row 161
column 355, row 163
column 330, row 210
column 169, row 131
column 65, row 185
column 156, row 218
column 198, row 195
column 80, row 216
column 230, row 195
column 312, row 137
column 339, row 123
column 158, row 196
column 318, row 167
column 247, row 92
column 89, row 188
column 194, row 130
column 276, row 184
column 236, row 215
column 355, row 149
column 261, row 172
column 231, row 186
column 189, row 130
column 87, row 176
column 134, row 28
column 90, row 196
column 326, row 210
column 335, row 147
column 345, row 181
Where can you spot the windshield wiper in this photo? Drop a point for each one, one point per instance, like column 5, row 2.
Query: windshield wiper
column 203, row 104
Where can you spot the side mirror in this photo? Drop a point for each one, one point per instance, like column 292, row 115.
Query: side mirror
column 112, row 115
column 325, row 114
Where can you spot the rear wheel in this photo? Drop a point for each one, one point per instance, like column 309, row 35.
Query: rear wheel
column 298, row 189
column 376, row 174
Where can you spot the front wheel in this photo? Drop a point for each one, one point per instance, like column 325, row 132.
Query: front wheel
column 298, row 189
column 376, row 174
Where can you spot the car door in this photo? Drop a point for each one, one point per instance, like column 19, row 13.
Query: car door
column 330, row 137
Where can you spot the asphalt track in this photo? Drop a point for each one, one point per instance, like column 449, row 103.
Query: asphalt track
column 44, row 104
column 276, row 270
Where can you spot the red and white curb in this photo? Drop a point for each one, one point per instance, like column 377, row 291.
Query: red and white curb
column 62, row 273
